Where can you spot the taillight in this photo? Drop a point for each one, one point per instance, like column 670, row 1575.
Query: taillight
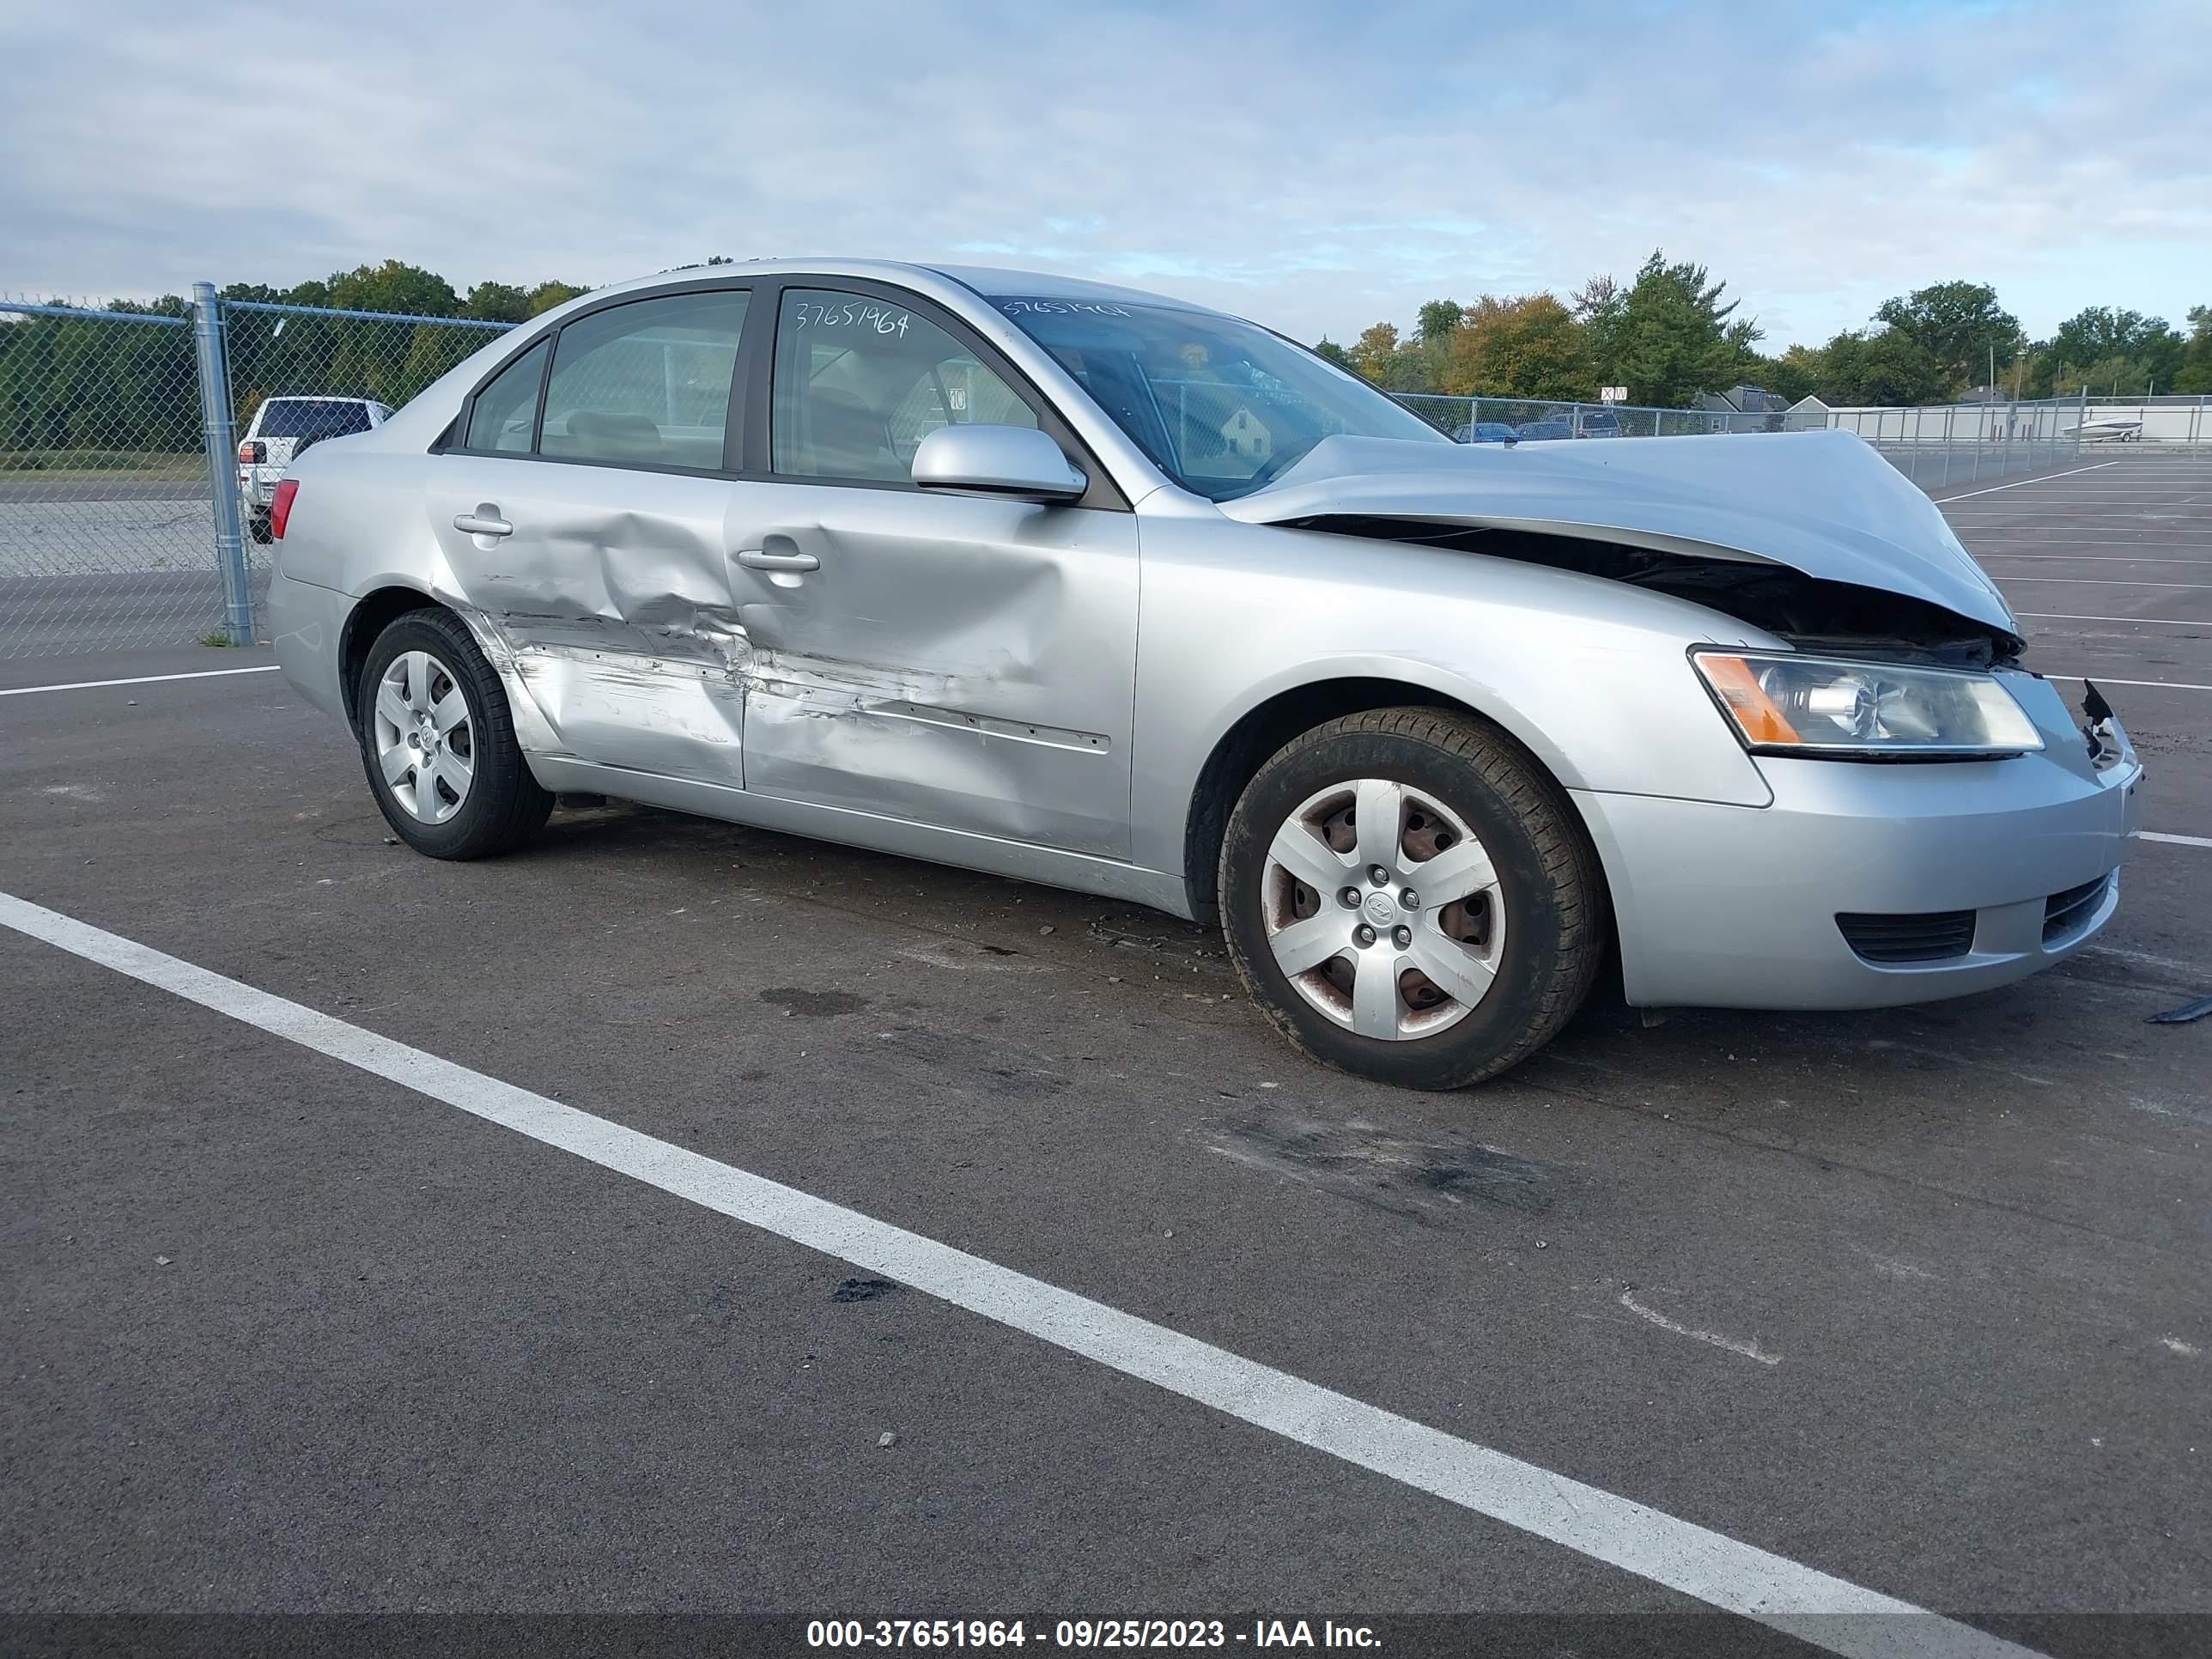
column 280, row 508
column 253, row 451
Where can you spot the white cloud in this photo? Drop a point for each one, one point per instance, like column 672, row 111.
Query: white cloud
column 1318, row 166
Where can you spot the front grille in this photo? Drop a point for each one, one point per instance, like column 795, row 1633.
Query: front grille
column 1933, row 937
column 2064, row 912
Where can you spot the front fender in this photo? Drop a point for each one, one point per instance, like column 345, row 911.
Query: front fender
column 1590, row 676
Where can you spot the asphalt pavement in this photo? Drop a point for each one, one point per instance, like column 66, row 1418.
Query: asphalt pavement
column 1914, row 1299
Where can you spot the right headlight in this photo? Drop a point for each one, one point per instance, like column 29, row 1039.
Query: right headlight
column 1786, row 704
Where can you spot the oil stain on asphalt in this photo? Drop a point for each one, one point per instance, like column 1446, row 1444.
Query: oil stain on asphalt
column 814, row 1005
column 1424, row 1180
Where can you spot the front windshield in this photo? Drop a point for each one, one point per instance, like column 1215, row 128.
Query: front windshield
column 1220, row 406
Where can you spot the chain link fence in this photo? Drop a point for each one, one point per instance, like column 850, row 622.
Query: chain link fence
column 1519, row 420
column 140, row 448
column 107, row 521
column 1935, row 446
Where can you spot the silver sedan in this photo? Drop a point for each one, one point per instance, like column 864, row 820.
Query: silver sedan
column 1095, row 588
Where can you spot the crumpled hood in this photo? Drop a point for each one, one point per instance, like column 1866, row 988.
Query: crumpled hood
column 1820, row 502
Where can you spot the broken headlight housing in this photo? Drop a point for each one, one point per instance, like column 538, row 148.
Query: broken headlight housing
column 1786, row 704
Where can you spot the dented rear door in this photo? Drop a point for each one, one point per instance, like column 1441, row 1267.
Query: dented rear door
column 584, row 520
column 610, row 596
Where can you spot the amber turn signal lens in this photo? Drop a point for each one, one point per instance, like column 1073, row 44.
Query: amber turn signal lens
column 1754, row 711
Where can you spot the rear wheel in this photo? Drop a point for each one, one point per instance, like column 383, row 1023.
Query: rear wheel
column 1410, row 899
column 437, row 743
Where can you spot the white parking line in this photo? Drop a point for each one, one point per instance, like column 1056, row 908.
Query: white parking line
column 2166, row 621
column 142, row 679
column 2024, row 482
column 2112, row 581
column 2177, row 841
column 2091, row 558
column 2163, row 685
column 1741, row 1578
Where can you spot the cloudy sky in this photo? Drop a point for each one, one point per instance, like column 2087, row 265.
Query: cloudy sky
column 1315, row 165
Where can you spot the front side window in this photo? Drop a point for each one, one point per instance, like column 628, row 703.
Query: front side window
column 648, row 383
column 1220, row 406
column 504, row 417
column 859, row 382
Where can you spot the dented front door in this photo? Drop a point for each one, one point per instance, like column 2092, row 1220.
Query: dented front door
column 609, row 590
column 953, row 660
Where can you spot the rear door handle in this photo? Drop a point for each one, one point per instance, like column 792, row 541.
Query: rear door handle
column 484, row 521
column 759, row 558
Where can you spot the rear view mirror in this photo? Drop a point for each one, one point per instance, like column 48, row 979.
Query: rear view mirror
column 1017, row 461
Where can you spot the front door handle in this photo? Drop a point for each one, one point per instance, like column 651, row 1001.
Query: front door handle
column 484, row 521
column 759, row 558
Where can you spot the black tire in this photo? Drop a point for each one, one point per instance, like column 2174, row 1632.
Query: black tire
column 504, row 806
column 257, row 526
column 1549, row 882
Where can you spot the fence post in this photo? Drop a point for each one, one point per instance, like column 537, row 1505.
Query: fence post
column 222, row 464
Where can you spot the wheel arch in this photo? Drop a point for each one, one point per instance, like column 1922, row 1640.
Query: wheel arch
column 1280, row 714
column 374, row 612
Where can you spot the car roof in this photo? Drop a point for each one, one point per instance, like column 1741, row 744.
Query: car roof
column 997, row 283
column 990, row 281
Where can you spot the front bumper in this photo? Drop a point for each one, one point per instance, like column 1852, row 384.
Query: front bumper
column 1736, row 907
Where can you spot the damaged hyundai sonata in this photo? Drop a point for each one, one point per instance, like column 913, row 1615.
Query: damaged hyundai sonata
column 1093, row 588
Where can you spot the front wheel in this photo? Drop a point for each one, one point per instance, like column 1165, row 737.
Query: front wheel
column 1410, row 899
column 437, row 743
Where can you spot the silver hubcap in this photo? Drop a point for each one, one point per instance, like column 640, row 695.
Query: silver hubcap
column 425, row 736
column 1383, row 909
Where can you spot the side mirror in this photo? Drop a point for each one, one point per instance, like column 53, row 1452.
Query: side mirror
column 1017, row 461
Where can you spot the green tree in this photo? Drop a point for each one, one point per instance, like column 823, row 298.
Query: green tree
column 2195, row 371
column 2102, row 347
column 1668, row 337
column 1795, row 373
column 394, row 286
column 1529, row 346
column 1886, row 366
column 546, row 295
column 496, row 302
column 1437, row 319
column 1335, row 353
column 1377, row 354
column 1961, row 329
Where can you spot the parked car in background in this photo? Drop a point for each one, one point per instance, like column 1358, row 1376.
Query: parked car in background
column 1486, row 432
column 853, row 549
column 1550, row 427
column 283, row 430
column 1598, row 423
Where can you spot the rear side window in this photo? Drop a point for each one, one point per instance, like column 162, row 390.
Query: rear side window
column 645, row 383
column 859, row 382
column 505, row 413
column 312, row 418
